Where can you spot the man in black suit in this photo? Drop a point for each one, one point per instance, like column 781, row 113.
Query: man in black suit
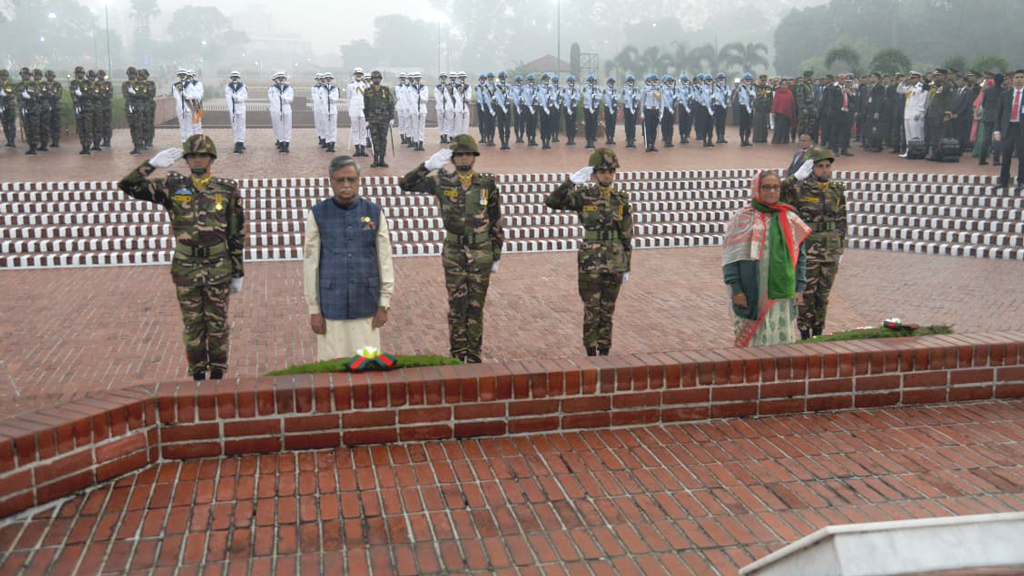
column 1010, row 130
column 803, row 144
column 963, row 112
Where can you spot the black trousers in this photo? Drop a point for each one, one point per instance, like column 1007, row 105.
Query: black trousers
column 556, row 123
column 503, row 124
column 746, row 124
column 1012, row 139
column 720, row 114
column 531, row 123
column 570, row 124
column 590, row 125
column 629, row 122
column 841, row 126
column 987, row 144
column 519, row 122
column 685, row 123
column 651, row 126
column 610, row 118
column 668, row 125
column 545, row 125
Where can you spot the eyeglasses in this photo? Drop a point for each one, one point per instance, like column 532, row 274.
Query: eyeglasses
column 457, row 154
column 771, row 187
column 347, row 179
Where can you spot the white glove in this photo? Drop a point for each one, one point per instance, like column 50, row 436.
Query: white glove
column 78, row 92
column 805, row 170
column 494, row 267
column 840, row 258
column 625, row 277
column 26, row 95
column 391, row 122
column 236, row 285
column 439, row 159
column 131, row 90
column 166, row 158
column 582, row 175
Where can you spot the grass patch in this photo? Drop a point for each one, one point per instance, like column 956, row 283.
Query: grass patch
column 339, row 365
column 879, row 332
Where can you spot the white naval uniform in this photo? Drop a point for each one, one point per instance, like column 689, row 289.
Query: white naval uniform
column 360, row 132
column 195, row 93
column 182, row 111
column 235, row 99
column 280, row 97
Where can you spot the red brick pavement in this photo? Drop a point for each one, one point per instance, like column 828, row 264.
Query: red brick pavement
column 71, row 331
column 693, row 499
column 306, row 159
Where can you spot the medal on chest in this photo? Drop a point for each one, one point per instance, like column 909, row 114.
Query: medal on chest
column 219, row 199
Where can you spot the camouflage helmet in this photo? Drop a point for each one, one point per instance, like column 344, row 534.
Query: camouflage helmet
column 819, row 153
column 101, row 73
column 79, row 69
column 465, row 142
column 37, row 72
column 144, row 72
column 376, row 74
column 199, row 144
column 24, row 70
column 51, row 74
column 131, row 70
column 604, row 159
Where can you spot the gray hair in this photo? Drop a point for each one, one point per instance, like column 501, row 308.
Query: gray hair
column 339, row 162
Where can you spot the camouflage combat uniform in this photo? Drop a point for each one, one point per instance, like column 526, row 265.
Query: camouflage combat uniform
column 806, row 113
column 104, row 91
column 208, row 222
column 43, row 103
column 822, row 205
column 134, row 102
column 471, row 211
column 148, row 108
column 379, row 107
column 604, row 256
column 8, row 107
column 30, row 108
column 54, row 123
column 81, row 99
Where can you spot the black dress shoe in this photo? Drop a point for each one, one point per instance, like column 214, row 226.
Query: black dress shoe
column 216, row 374
column 197, row 376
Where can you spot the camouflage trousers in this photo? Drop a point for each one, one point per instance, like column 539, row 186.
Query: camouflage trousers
column 136, row 123
column 84, row 126
column 820, row 276
column 467, row 273
column 103, row 127
column 149, row 120
column 204, row 309
column 599, row 292
column 379, row 136
column 30, row 122
column 808, row 123
column 7, row 119
column 52, row 121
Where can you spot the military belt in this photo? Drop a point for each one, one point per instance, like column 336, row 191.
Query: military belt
column 469, row 239
column 601, row 235
column 823, row 227
column 208, row 251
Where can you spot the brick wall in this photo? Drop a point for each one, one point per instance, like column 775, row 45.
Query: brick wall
column 51, row 453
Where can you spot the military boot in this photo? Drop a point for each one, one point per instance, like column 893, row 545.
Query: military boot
column 42, row 146
column 85, row 150
column 805, row 334
column 197, row 376
column 376, row 161
column 591, row 351
column 602, row 351
column 135, row 150
column 96, row 146
column 285, row 147
column 382, row 163
column 149, row 144
column 330, row 147
column 817, row 329
column 106, row 142
column 238, row 148
column 31, row 150
column 53, row 143
column 216, row 374
column 323, row 143
column 10, row 143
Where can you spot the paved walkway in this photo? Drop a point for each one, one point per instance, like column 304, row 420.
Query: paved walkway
column 70, row 331
column 262, row 160
column 695, row 499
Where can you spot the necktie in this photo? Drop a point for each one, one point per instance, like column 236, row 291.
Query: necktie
column 1015, row 115
column 845, row 105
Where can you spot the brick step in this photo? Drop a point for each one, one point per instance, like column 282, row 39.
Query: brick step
column 937, row 248
column 959, row 224
column 67, row 259
column 942, row 236
column 882, row 208
column 959, row 198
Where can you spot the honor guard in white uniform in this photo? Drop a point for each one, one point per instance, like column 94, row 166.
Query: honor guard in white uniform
column 720, row 98
column 668, row 110
column 402, row 107
column 419, row 97
column 235, row 94
column 650, row 106
column 194, row 94
column 464, row 95
column 744, row 96
column 684, row 97
column 316, row 99
column 280, row 95
column 332, row 95
column 441, row 106
column 182, row 108
column 518, row 121
column 359, row 134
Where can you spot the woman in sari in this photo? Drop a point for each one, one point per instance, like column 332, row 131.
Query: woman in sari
column 764, row 266
column 784, row 109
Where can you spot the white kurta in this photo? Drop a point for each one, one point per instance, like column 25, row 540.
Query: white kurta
column 344, row 337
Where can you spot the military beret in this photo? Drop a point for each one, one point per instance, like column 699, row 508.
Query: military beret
column 604, row 159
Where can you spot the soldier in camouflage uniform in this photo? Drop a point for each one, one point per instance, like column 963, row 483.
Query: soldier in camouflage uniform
column 821, row 204
column 81, row 99
column 208, row 222
column 379, row 107
column 605, row 253
column 56, row 91
column 27, row 93
column 43, row 100
column 104, row 108
column 134, row 101
column 148, row 93
column 8, row 107
column 471, row 210
column 95, row 114
column 806, row 112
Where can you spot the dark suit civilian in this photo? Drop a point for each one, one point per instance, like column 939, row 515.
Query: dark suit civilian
column 1010, row 129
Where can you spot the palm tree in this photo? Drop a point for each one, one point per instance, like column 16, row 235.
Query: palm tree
column 844, row 54
column 746, row 56
column 625, row 62
column 890, row 61
column 712, row 60
column 654, row 60
column 682, row 58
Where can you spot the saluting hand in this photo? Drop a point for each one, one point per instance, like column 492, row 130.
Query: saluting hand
column 805, row 170
column 582, row 175
column 166, row 158
column 439, row 159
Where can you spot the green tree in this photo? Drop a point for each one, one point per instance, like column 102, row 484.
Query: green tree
column 654, row 60
column 142, row 11
column 992, row 63
column 711, row 60
column 358, row 53
column 201, row 34
column 747, row 56
column 844, row 54
column 626, row 61
column 958, row 63
column 890, row 61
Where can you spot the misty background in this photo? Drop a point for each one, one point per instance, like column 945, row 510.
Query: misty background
column 301, row 37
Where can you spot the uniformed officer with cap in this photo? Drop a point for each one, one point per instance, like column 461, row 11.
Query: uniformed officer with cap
column 236, row 94
column 208, row 223
column 630, row 105
column 281, row 95
column 610, row 97
column 570, row 102
column 650, row 106
column 604, row 256
column 380, row 114
column 8, row 106
column 591, row 105
column 27, row 92
column 470, row 206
